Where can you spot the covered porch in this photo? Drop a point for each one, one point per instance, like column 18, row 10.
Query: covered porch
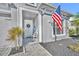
column 30, row 22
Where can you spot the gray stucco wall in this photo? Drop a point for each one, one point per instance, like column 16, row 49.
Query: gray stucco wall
column 5, row 25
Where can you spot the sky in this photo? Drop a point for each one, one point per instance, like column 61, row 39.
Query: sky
column 72, row 8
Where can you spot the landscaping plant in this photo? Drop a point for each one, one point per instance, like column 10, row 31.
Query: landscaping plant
column 72, row 32
column 14, row 35
column 74, row 47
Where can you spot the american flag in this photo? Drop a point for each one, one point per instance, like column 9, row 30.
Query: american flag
column 56, row 17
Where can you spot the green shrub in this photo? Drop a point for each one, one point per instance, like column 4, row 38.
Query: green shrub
column 72, row 32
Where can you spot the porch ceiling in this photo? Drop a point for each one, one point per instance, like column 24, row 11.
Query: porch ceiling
column 29, row 15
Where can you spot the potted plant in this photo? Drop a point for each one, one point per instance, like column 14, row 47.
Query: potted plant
column 14, row 35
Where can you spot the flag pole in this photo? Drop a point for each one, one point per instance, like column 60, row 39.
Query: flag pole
column 56, row 17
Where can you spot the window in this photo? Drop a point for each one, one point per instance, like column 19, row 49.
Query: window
column 56, row 29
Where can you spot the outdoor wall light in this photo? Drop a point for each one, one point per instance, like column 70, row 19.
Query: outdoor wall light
column 50, row 22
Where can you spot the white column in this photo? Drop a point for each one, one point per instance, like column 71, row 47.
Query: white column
column 40, row 26
column 19, row 22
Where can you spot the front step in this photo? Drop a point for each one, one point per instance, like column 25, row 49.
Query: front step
column 34, row 50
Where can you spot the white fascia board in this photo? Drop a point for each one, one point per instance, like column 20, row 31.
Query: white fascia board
column 34, row 11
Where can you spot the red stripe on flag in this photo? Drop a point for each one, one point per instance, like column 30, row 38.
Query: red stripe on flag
column 60, row 28
column 57, row 19
column 57, row 22
column 58, row 16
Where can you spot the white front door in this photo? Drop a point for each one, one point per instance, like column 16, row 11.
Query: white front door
column 28, row 28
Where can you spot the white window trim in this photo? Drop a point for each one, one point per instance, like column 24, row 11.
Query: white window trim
column 64, row 32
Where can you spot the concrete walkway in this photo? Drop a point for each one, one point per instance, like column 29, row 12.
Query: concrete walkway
column 59, row 48
column 34, row 50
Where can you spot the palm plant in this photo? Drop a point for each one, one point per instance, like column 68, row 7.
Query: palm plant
column 14, row 34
